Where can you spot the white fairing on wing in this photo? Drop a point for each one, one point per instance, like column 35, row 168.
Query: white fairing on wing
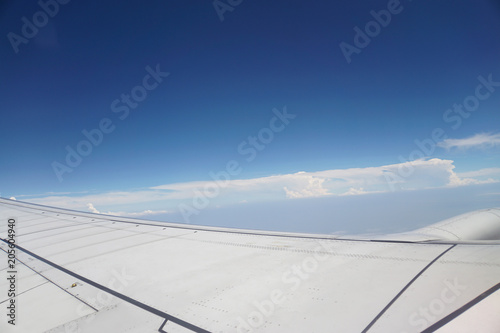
column 474, row 227
column 83, row 272
column 478, row 225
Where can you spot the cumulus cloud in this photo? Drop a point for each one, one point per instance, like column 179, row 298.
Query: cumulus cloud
column 92, row 209
column 482, row 140
column 308, row 186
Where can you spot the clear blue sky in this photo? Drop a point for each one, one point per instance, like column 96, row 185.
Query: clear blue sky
column 352, row 121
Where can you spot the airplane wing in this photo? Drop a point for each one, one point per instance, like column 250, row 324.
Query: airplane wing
column 68, row 271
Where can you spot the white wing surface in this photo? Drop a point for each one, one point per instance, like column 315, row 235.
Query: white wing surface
column 83, row 272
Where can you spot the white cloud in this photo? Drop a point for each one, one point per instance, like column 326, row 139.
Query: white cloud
column 92, row 209
column 482, row 176
column 139, row 214
column 108, row 199
column 358, row 191
column 419, row 174
column 482, row 140
column 308, row 186
column 488, row 172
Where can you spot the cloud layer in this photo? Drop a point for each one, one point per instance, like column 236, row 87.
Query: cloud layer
column 482, row 140
column 419, row 174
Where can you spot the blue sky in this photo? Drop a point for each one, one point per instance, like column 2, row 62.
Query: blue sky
column 262, row 95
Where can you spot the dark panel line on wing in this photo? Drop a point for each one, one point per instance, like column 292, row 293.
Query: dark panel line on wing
column 404, row 289
column 163, row 325
column 464, row 308
column 114, row 293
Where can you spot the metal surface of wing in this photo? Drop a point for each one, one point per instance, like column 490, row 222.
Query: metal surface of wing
column 84, row 272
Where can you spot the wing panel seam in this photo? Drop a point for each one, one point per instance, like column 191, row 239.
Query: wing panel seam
column 461, row 310
column 404, row 289
column 116, row 294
